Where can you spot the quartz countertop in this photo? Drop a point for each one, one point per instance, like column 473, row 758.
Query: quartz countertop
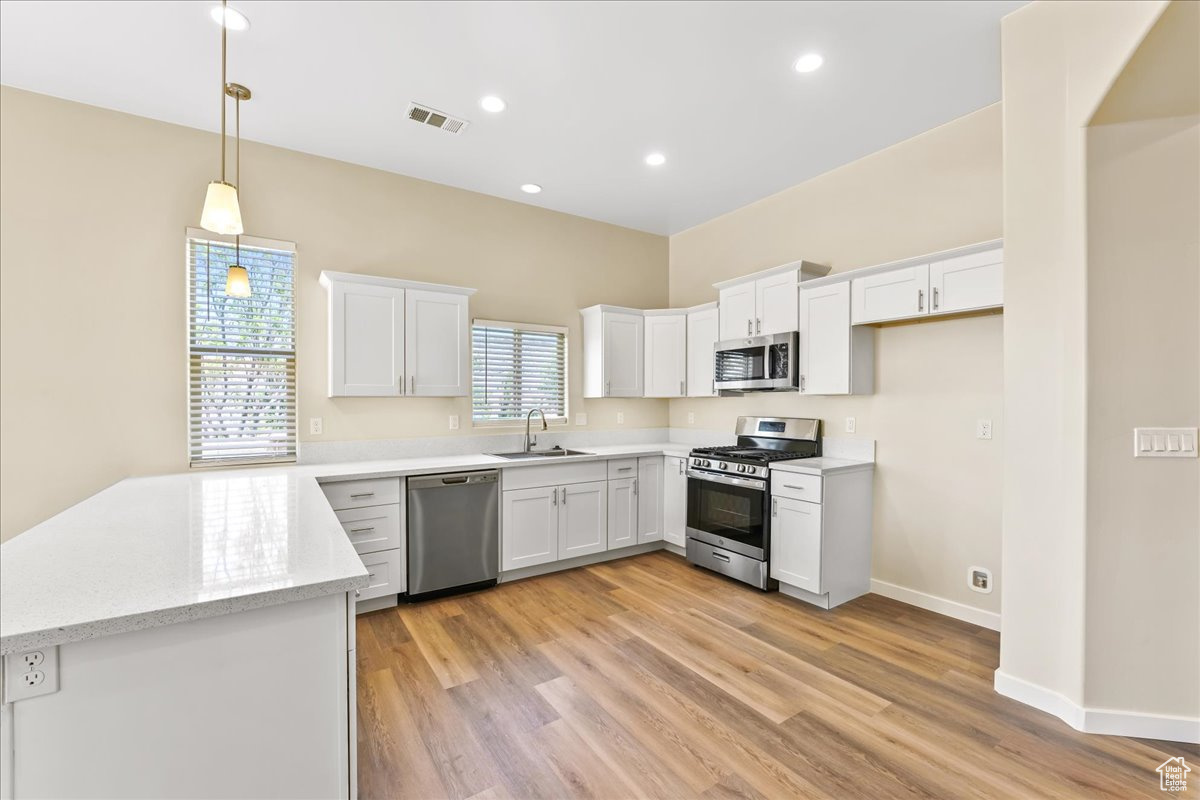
column 821, row 465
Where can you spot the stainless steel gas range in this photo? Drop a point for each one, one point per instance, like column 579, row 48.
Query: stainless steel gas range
column 729, row 495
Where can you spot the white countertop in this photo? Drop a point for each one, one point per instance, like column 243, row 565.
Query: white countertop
column 159, row 550
column 822, row 465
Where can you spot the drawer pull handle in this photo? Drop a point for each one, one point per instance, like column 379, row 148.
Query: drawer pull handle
column 362, row 530
column 790, row 486
column 362, row 494
column 624, row 469
column 720, row 557
column 370, row 575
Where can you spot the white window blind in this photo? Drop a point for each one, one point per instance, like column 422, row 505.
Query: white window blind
column 241, row 353
column 515, row 368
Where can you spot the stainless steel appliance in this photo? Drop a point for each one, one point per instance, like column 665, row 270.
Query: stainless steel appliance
column 757, row 364
column 453, row 532
column 729, row 495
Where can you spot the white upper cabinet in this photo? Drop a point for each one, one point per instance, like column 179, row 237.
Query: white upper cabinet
column 895, row 294
column 437, row 343
column 613, row 352
column 390, row 337
column 965, row 283
column 775, row 297
column 366, row 339
column 739, row 309
column 666, row 354
column 649, row 491
column 675, row 500
column 834, row 358
column 702, row 334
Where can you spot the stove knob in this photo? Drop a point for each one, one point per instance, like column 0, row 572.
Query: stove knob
column 741, row 467
column 723, row 465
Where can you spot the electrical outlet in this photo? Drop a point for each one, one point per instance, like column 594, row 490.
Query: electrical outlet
column 691, row 418
column 980, row 579
column 454, row 422
column 620, row 417
column 30, row 674
column 316, row 426
column 850, row 424
column 581, row 418
column 983, row 429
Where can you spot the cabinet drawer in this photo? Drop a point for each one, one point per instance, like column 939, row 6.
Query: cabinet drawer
column 552, row 474
column 372, row 529
column 359, row 494
column 386, row 569
column 796, row 486
column 622, row 468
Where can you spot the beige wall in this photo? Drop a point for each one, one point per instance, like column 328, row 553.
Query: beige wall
column 937, row 487
column 93, row 208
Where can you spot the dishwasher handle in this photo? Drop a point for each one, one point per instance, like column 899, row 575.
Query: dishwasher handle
column 452, row 479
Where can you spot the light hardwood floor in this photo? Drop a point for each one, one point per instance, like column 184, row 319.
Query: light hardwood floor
column 646, row 677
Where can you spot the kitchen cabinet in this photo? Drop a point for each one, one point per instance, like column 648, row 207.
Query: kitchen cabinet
column 529, row 527
column 372, row 512
column 675, row 500
column 583, row 519
column 895, row 294
column 437, row 343
column 967, row 282
column 649, row 491
column 702, row 333
column 665, row 353
column 796, row 543
column 738, row 310
column 622, row 513
column 613, row 352
column 834, row 357
column 391, row 338
column 760, row 307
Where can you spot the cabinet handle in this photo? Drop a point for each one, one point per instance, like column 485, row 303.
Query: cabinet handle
column 361, row 530
column 920, row 300
column 682, row 392
column 624, row 469
column 935, row 298
column 749, row 327
column 635, row 480
column 757, row 326
column 554, row 501
column 411, row 381
column 370, row 575
column 564, row 495
column 362, row 494
column 681, row 466
column 607, row 388
column 802, row 382
column 797, row 488
column 774, row 507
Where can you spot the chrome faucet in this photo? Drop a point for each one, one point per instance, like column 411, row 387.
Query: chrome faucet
column 530, row 441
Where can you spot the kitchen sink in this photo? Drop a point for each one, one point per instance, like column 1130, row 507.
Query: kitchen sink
column 552, row 453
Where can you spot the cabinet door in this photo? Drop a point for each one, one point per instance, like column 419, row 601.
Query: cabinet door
column 583, row 519
column 737, row 311
column 649, row 490
column 529, row 527
column 967, row 282
column 623, row 354
column 366, row 340
column 622, row 513
column 895, row 294
column 675, row 500
column 775, row 298
column 666, row 355
column 701, row 336
column 436, row 348
column 825, row 339
column 796, row 543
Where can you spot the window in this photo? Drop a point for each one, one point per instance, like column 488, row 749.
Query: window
column 515, row 368
column 241, row 353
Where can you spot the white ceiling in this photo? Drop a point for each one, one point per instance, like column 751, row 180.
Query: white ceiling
column 592, row 87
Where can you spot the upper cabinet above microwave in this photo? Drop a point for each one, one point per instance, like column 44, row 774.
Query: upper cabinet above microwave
column 906, row 290
column 764, row 303
column 397, row 338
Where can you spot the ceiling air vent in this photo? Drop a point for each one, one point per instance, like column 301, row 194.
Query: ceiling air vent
column 428, row 116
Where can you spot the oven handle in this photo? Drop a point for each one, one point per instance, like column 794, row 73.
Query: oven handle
column 729, row 480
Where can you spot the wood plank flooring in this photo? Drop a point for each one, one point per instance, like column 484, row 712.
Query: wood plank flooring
column 648, row 678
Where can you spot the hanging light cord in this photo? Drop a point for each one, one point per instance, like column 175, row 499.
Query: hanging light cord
column 224, row 35
column 237, row 163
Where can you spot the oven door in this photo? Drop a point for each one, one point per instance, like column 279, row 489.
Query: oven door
column 729, row 512
column 760, row 363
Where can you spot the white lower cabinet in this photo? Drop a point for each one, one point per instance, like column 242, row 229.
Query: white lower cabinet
column 649, row 491
column 622, row 513
column 529, row 527
column 583, row 519
column 675, row 500
column 372, row 512
column 796, row 543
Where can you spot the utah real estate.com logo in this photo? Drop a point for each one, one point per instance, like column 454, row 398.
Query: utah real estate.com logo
column 1173, row 774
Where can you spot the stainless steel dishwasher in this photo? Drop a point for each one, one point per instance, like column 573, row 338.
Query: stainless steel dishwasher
column 453, row 532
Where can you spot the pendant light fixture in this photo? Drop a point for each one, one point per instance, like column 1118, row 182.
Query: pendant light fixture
column 237, row 279
column 222, row 214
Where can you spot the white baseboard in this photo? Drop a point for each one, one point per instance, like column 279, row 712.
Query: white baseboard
column 940, row 605
column 1106, row 721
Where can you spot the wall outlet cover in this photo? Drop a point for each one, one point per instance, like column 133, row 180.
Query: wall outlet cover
column 30, row 674
column 620, row 417
column 316, row 426
column 691, row 418
column 980, row 579
column 581, row 418
column 851, row 425
column 983, row 429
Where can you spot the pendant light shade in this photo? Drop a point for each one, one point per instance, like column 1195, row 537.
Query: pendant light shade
column 237, row 282
column 222, row 213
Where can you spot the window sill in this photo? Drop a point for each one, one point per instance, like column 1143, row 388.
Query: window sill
column 514, row 423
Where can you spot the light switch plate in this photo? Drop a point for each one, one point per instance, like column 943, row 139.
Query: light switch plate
column 850, row 425
column 581, row 418
column 454, row 422
column 1164, row 443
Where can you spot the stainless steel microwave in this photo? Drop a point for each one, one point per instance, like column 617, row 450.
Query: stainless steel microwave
column 757, row 364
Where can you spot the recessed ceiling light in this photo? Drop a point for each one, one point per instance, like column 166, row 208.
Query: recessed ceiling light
column 656, row 159
column 234, row 19
column 809, row 62
column 493, row 104
column 530, row 188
